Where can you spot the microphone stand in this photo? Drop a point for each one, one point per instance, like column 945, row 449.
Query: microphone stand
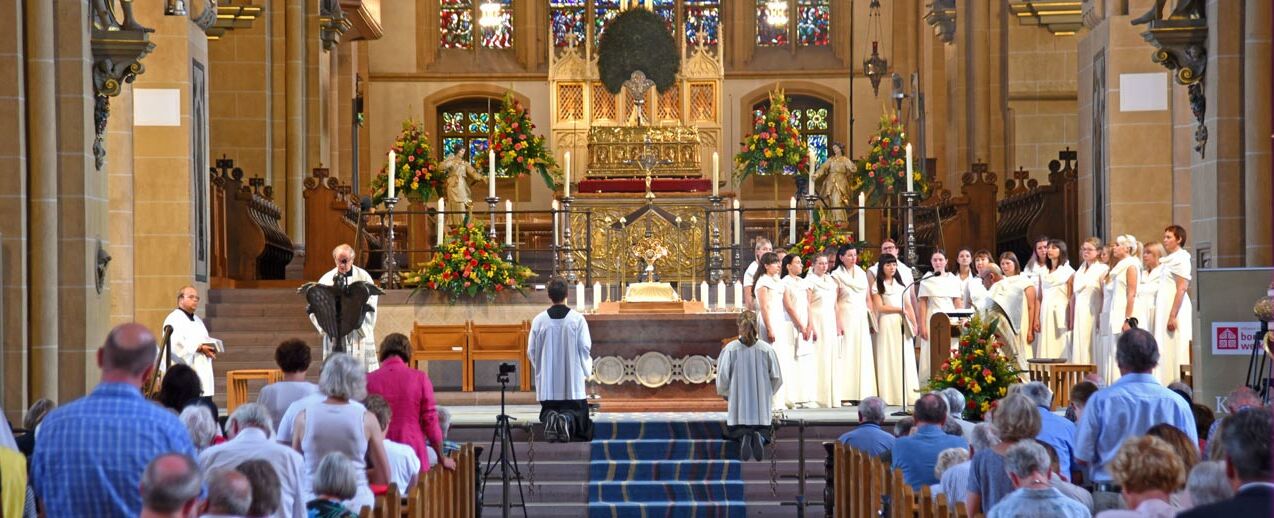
column 916, row 279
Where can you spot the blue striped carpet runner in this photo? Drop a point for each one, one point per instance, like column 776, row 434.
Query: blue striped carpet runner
column 664, row 469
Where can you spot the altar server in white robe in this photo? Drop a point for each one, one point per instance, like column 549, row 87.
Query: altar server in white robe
column 361, row 343
column 1012, row 301
column 776, row 330
column 560, row 352
column 853, row 323
column 1119, row 309
column 1053, row 335
column 1085, row 302
column 939, row 291
column 748, row 376
column 1173, row 311
column 191, row 344
column 831, row 373
column 802, row 387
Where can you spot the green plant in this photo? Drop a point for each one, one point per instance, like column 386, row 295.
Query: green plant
column 416, row 176
column 882, row 173
column 774, row 144
column 637, row 39
column 467, row 265
column 979, row 369
column 517, row 150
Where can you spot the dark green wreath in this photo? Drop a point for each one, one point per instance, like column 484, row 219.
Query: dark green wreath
column 637, row 39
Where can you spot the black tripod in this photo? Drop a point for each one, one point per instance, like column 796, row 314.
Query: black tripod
column 508, row 459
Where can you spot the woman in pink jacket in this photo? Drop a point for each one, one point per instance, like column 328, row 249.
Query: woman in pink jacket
column 410, row 395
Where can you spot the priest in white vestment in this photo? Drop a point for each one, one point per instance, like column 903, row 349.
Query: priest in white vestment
column 191, row 344
column 361, row 343
column 1011, row 305
column 560, row 351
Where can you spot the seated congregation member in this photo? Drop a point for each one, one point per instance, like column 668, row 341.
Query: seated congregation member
column 559, row 349
column 955, row 408
column 266, row 488
column 1080, row 394
column 1207, row 483
column 335, row 481
column 1071, row 491
column 170, row 486
column 1148, row 471
column 229, row 495
column 293, row 358
column 917, row 454
column 748, row 377
column 336, row 425
column 868, row 437
column 1186, row 450
column 201, row 425
column 180, row 388
column 1015, row 419
column 1055, row 430
column 1246, row 441
column 249, row 429
column 904, row 427
column 404, row 465
column 947, row 459
column 1027, row 466
column 1127, row 408
column 955, row 480
column 410, row 396
column 31, row 422
column 78, row 473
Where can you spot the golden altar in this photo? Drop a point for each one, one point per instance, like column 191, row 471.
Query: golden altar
column 614, row 151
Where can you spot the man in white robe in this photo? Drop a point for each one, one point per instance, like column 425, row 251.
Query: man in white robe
column 560, row 352
column 361, row 343
column 1010, row 300
column 190, row 343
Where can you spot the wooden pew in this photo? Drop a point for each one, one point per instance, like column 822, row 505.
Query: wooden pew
column 441, row 493
column 331, row 218
column 1029, row 210
column 247, row 242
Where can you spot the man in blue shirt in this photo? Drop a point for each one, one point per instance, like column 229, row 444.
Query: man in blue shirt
column 91, row 453
column 917, row 454
column 1127, row 408
column 1055, row 430
column 868, row 437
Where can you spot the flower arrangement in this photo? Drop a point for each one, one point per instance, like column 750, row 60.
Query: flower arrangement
column 415, row 174
column 517, row 150
column 979, row 369
column 467, row 265
column 775, row 143
column 882, row 172
column 821, row 236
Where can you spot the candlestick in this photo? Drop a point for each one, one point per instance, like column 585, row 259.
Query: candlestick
column 738, row 224
column 862, row 218
column 910, row 187
column 442, row 223
column 716, row 173
column 566, row 186
column 556, row 237
column 720, row 295
column 508, row 222
column 580, row 303
column 491, row 173
column 738, row 295
column 392, row 174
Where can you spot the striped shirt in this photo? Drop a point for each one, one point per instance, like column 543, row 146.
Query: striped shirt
column 90, row 454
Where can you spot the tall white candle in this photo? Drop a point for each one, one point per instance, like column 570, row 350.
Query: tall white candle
column 580, row 303
column 720, row 295
column 791, row 216
column 508, row 222
column 597, row 295
column 862, row 216
column 738, row 224
column 391, row 173
column 442, row 220
column 716, row 173
column 812, row 166
column 703, row 294
column 566, row 186
column 491, row 173
column 910, row 187
column 738, row 295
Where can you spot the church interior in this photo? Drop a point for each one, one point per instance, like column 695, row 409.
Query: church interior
column 465, row 153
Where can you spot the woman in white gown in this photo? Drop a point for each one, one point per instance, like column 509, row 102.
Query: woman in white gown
column 1037, row 264
column 1119, row 296
column 769, row 302
column 831, row 374
column 1173, row 310
column 895, row 362
column 1052, row 335
column 1085, row 287
column 940, row 292
column 803, row 385
column 1014, row 298
column 969, row 270
column 853, row 314
column 1148, row 285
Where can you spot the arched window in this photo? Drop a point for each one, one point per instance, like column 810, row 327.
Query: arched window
column 781, row 22
column 811, row 115
column 467, row 123
column 458, row 19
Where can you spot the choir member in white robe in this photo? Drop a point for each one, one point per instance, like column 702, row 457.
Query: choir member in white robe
column 361, row 343
column 1053, row 335
column 831, row 373
column 1148, row 285
column 1085, row 302
column 1012, row 303
column 976, row 294
column 1174, row 313
column 802, row 388
column 776, row 330
column 895, row 359
column 1119, row 295
column 560, row 352
column 938, row 292
column 760, row 246
column 748, row 376
column 191, row 344
column 853, row 323
column 1037, row 264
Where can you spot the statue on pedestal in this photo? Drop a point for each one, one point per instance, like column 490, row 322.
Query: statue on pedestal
column 833, row 179
column 459, row 174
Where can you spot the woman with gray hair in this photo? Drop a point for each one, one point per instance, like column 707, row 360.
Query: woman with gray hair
column 955, row 408
column 339, row 424
column 1208, row 484
column 201, row 425
column 1015, row 419
column 335, row 481
column 1028, row 466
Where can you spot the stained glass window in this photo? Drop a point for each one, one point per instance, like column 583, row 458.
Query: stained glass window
column 603, row 12
column 499, row 36
column 455, row 24
column 451, row 144
column 566, row 17
column 818, row 143
column 466, row 124
column 812, row 116
column 796, row 119
column 667, row 9
column 816, row 119
column 452, row 122
column 479, row 122
column 767, row 34
column 813, row 22
column 477, row 148
column 703, row 16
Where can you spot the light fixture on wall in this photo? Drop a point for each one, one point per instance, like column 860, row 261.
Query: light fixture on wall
column 776, row 12
column 874, row 67
column 175, row 8
column 491, row 14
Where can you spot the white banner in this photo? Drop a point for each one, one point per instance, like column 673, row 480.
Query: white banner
column 1234, row 338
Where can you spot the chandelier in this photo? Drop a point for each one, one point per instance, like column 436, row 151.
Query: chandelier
column 776, row 12
column 491, row 15
column 874, row 67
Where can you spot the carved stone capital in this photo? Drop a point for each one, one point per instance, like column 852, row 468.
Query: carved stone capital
column 942, row 17
column 332, row 23
column 1182, row 46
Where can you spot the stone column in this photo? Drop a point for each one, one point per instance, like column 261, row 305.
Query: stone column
column 1256, row 139
column 1217, row 187
column 294, row 98
column 42, row 154
column 119, row 171
column 14, row 288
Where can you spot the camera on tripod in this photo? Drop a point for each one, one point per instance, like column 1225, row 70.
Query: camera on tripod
column 505, row 370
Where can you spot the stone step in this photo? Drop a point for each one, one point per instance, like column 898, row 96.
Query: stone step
column 215, row 311
column 257, row 296
column 544, row 491
column 263, row 324
column 762, row 509
column 568, row 471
